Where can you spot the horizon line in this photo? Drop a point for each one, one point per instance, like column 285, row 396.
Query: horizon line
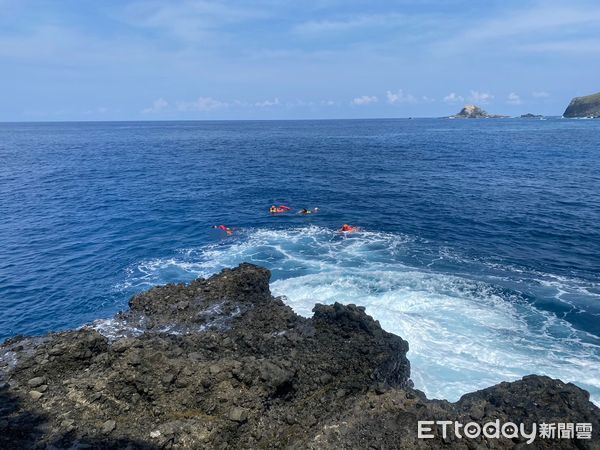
column 266, row 120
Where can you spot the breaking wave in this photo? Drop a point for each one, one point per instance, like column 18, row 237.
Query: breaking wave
column 469, row 324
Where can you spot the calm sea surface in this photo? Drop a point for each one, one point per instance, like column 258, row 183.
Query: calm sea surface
column 481, row 242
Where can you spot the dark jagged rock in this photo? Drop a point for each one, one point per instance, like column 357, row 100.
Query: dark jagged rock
column 475, row 112
column 584, row 107
column 531, row 116
column 389, row 420
column 220, row 363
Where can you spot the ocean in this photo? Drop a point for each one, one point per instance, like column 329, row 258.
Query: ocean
column 479, row 242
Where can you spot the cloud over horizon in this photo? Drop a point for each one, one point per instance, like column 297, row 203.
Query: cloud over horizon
column 399, row 97
column 227, row 59
column 364, row 100
column 201, row 104
column 453, row 97
column 514, row 99
column 482, row 98
column 158, row 105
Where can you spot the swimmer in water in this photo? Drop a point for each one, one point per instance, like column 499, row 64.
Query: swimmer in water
column 348, row 228
column 279, row 209
column 305, row 211
column 227, row 230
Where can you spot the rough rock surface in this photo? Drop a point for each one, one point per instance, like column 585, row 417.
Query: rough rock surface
column 531, row 116
column 474, row 112
column 220, row 363
column 587, row 106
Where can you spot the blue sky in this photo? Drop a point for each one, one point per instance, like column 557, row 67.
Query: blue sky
column 270, row 59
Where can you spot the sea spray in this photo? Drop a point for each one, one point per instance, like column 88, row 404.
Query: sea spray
column 466, row 330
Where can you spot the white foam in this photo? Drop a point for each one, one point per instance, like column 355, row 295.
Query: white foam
column 114, row 328
column 464, row 332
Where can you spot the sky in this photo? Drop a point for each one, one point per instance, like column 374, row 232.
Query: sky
column 290, row 59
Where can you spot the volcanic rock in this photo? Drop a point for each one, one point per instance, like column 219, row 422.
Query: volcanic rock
column 475, row 112
column 220, row 363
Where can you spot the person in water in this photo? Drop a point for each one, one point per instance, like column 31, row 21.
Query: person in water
column 227, row 230
column 308, row 211
column 348, row 228
column 279, row 209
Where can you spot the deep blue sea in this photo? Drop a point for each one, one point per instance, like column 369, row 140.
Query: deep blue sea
column 480, row 242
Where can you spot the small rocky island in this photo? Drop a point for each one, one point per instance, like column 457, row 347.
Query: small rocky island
column 531, row 116
column 584, row 107
column 475, row 112
column 220, row 363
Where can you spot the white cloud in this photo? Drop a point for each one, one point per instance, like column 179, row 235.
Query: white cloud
column 201, row 104
column 318, row 27
column 540, row 94
column 158, row 105
column 514, row 99
column 364, row 100
column 453, row 97
column 399, row 97
column 567, row 46
column 481, row 97
column 299, row 103
column 192, row 21
column 327, row 103
column 267, row 103
column 98, row 110
column 544, row 18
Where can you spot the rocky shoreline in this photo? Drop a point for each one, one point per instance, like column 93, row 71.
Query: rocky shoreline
column 220, row 363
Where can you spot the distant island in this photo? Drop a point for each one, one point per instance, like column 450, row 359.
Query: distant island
column 531, row 116
column 584, row 107
column 475, row 112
